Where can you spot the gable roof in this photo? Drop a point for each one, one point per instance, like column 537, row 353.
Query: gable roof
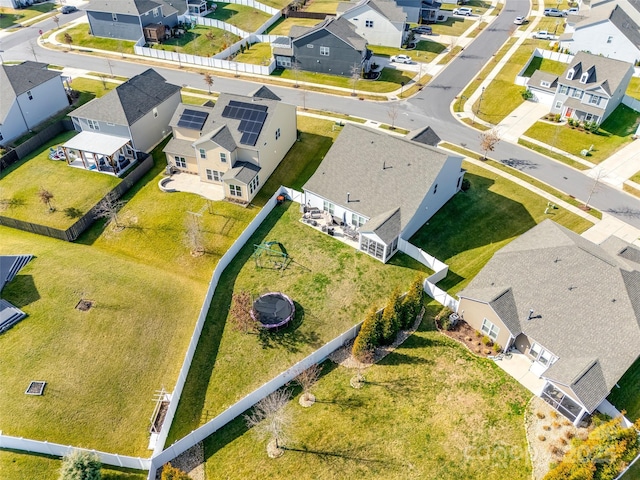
column 386, row 8
column 425, row 136
column 539, row 76
column 617, row 16
column 129, row 101
column 377, row 185
column 339, row 27
column 605, row 73
column 10, row 265
column 264, row 92
column 585, row 302
column 123, row 7
column 18, row 79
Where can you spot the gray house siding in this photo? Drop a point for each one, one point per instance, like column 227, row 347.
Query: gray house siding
column 341, row 56
column 126, row 28
column 150, row 130
column 148, row 19
column 81, row 125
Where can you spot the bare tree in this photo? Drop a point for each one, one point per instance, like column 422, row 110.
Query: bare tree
column 307, row 379
column 356, row 73
column 488, row 141
column 193, row 236
column 56, row 20
column 295, row 67
column 32, row 49
column 296, row 4
column 211, row 37
column 109, row 208
column 303, row 95
column 208, row 79
column 68, row 39
column 103, row 78
column 45, row 197
column 269, row 419
column 241, row 312
column 393, row 114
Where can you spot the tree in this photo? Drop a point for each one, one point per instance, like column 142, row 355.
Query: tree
column 296, row 5
column 307, row 379
column 488, row 141
column 393, row 114
column 68, row 39
column 367, row 339
column 412, row 303
column 80, row 465
column 193, row 236
column 109, row 208
column 303, row 95
column 356, row 73
column 270, row 419
column 241, row 312
column 45, row 197
column 172, row 473
column 208, row 79
column 391, row 318
column 295, row 67
column 56, row 20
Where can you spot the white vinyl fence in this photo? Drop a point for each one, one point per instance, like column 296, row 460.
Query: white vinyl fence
column 47, row 448
column 547, row 54
column 635, row 460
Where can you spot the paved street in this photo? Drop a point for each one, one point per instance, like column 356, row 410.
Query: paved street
column 431, row 106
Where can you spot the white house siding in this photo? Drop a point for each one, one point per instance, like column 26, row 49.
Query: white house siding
column 448, row 180
column 13, row 126
column 384, row 32
column 618, row 95
column 148, row 131
column 313, row 200
column 8, row 3
column 595, row 39
column 272, row 151
column 213, row 162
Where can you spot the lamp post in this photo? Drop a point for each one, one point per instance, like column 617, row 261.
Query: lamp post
column 477, row 111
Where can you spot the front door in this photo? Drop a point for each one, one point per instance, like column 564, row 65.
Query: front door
column 568, row 112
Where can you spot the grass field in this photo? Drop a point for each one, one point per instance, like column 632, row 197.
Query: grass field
column 389, row 80
column 627, row 397
column 258, row 54
column 545, row 65
column 75, row 190
column 633, row 473
column 10, row 17
column 473, row 225
column 429, row 410
column 615, row 132
column 321, row 6
column 283, row 25
column 425, row 51
column 454, row 26
column 549, row 153
column 633, row 90
column 82, row 38
column 195, row 41
column 279, row 4
column 243, row 17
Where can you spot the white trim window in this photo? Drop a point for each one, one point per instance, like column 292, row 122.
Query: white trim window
column 213, row 175
column 235, row 190
column 309, row 45
column 181, row 162
column 284, row 62
column 541, row 355
column 564, row 89
column 558, row 104
column 156, row 12
column 357, row 220
column 328, row 207
column 368, row 23
column 155, row 112
column 203, row 153
column 324, row 51
column 489, row 329
column 223, row 157
column 254, row 184
column 277, row 134
column 545, row 83
column 93, row 124
column 373, row 248
column 29, row 95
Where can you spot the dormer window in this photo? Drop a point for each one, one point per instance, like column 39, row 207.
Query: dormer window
column 570, row 74
column 545, row 84
column 584, row 78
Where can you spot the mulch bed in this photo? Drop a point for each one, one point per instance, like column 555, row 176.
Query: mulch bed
column 468, row 336
column 84, row 305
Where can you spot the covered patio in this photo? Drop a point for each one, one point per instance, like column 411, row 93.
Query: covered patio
column 100, row 152
column 519, row 367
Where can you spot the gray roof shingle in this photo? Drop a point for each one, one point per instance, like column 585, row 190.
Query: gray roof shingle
column 123, row 7
column 340, row 27
column 425, row 136
column 264, row 92
column 243, row 172
column 386, row 8
column 129, row 101
column 604, row 72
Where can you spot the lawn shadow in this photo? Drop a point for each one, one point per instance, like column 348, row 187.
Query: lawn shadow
column 353, row 454
column 21, row 291
column 289, row 337
column 398, row 386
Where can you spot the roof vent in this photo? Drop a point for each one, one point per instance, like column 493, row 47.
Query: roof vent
column 348, row 195
column 530, row 314
column 571, row 288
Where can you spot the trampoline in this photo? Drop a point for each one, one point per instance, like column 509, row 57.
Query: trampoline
column 273, row 310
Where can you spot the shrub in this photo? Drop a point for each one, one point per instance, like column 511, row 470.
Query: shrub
column 412, row 303
column 478, row 334
column 542, row 438
column 486, row 340
column 466, row 185
column 172, row 473
column 569, row 434
column 391, row 318
column 497, row 348
column 526, row 94
column 80, row 465
column 540, row 415
column 556, row 118
column 546, row 427
column 556, row 424
column 367, row 338
column 554, row 414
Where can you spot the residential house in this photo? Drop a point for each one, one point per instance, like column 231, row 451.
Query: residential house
column 591, row 87
column 127, row 19
column 611, row 30
column 132, row 117
column 11, row 3
column 332, row 46
column 29, row 95
column 379, row 22
column 10, row 265
column 382, row 186
column 236, row 144
column 570, row 306
column 421, row 11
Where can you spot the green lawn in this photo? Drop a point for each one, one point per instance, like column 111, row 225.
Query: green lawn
column 243, row 17
column 636, row 178
column 82, row 38
column 545, row 65
column 633, row 90
column 278, row 4
column 473, row 225
column 633, row 473
column 615, row 133
column 425, row 51
column 627, row 397
column 479, row 6
column 10, row 17
column 454, row 26
column 283, row 25
column 389, row 81
column 20, row 466
column 75, row 190
column 332, row 284
column 321, row 6
column 549, row 153
column 429, row 410
column 195, row 42
column 258, row 54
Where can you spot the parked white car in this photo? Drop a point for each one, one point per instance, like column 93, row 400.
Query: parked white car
column 401, row 59
column 571, row 11
column 463, row 11
column 543, row 35
column 553, row 12
column 520, row 20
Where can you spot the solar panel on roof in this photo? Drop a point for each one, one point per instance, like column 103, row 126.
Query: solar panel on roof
column 251, row 118
column 193, row 119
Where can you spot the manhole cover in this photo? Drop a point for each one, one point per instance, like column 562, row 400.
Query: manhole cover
column 84, row 305
column 36, row 388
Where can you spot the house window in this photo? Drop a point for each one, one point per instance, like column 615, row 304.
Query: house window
column 284, row 62
column 368, row 23
column 277, row 134
column 558, row 104
column 181, row 162
column 114, row 17
column 235, row 190
column 253, row 185
column 156, row 12
column 203, row 153
column 223, row 157
column 155, row 112
column 29, row 95
column 577, row 93
column 564, row 89
column 328, row 207
column 545, row 84
column 93, row 124
column 324, row 51
column 372, row 247
column 435, row 188
column 357, row 220
column 309, row 45
column 594, row 99
column 214, row 175
column 570, row 74
column 490, row 330
column 458, row 184
column 541, row 355
column 584, row 78
column 609, row 39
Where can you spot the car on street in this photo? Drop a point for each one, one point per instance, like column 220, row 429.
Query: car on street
column 422, row 30
column 462, row 11
column 68, row 9
column 553, row 12
column 543, row 35
column 520, row 21
column 401, row 59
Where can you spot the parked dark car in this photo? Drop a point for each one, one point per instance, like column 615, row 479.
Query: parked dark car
column 422, row 30
column 68, row 9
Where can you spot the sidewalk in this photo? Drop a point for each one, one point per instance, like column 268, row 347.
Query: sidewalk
column 619, row 167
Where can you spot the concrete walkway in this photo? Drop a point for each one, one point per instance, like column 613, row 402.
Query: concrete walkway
column 619, row 167
column 520, row 120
